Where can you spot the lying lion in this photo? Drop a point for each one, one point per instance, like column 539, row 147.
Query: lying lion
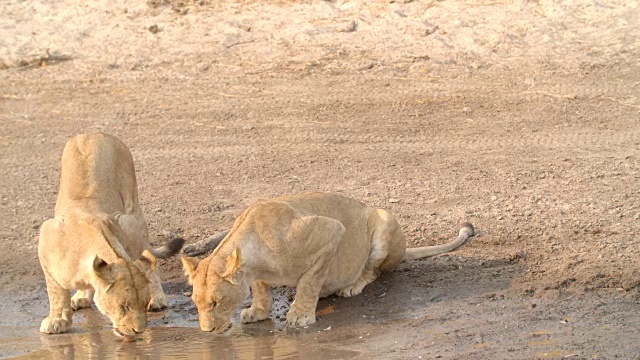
column 97, row 241
column 322, row 244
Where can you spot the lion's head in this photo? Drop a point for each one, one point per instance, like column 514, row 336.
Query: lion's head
column 218, row 289
column 122, row 292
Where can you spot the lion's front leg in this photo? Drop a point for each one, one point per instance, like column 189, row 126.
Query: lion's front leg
column 303, row 308
column 60, row 313
column 326, row 234
column 260, row 305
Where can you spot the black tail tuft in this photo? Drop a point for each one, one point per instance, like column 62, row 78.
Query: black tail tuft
column 174, row 245
column 468, row 225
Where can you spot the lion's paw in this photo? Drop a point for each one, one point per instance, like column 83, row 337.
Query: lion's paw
column 295, row 319
column 78, row 303
column 349, row 291
column 54, row 325
column 157, row 303
column 252, row 315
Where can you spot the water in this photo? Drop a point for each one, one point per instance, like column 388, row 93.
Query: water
column 166, row 343
column 171, row 334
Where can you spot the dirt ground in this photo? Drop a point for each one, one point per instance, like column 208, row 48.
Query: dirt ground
column 522, row 117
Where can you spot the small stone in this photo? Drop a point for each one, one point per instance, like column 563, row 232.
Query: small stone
column 154, row 29
column 394, row 201
column 350, row 27
column 368, row 66
column 202, row 67
column 187, row 293
column 400, row 13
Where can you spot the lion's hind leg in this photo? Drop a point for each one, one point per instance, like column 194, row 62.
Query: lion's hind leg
column 370, row 272
column 81, row 299
column 158, row 298
column 387, row 249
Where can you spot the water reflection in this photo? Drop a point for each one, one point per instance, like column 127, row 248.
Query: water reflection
column 91, row 338
column 172, row 343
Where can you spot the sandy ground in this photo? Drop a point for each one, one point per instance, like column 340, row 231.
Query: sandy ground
column 519, row 116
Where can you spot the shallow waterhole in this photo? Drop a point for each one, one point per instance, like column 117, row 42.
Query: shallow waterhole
column 170, row 334
column 163, row 342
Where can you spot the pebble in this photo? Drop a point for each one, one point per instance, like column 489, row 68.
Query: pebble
column 350, row 27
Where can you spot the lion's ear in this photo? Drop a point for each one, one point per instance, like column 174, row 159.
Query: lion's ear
column 147, row 262
column 232, row 263
column 102, row 270
column 189, row 264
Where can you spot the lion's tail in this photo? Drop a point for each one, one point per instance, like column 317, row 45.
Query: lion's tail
column 170, row 248
column 465, row 233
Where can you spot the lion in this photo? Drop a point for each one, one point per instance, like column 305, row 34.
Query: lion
column 319, row 243
column 97, row 241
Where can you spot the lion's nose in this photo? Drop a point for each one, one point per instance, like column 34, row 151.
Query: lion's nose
column 139, row 329
column 206, row 327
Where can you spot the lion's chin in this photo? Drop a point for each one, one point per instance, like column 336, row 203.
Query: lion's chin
column 123, row 335
column 222, row 328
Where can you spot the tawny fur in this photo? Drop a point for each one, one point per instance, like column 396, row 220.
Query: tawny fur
column 97, row 240
column 320, row 243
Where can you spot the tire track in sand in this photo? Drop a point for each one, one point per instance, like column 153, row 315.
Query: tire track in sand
column 185, row 146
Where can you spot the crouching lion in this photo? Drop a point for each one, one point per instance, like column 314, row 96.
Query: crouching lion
column 97, row 241
column 320, row 243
